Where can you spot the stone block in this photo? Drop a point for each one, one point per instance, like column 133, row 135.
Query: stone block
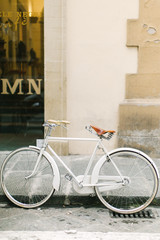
column 149, row 58
column 139, row 126
column 143, row 86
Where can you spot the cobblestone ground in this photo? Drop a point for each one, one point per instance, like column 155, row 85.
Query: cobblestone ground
column 78, row 235
column 79, row 222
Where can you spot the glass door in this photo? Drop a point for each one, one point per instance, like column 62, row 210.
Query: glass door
column 21, row 72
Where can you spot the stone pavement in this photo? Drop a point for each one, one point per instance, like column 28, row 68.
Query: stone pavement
column 77, row 236
column 78, row 221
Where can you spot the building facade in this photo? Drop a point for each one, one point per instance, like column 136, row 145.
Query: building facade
column 87, row 61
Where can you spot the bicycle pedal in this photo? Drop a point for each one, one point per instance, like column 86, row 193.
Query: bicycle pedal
column 68, row 177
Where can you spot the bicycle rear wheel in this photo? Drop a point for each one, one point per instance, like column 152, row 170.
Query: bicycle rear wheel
column 27, row 192
column 140, row 185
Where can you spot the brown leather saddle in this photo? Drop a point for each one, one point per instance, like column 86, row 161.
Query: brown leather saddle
column 101, row 131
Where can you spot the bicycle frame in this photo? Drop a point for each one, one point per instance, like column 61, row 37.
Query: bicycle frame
column 80, row 182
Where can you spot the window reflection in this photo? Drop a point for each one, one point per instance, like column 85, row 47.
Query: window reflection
column 21, row 72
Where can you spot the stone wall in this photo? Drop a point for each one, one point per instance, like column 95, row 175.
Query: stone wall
column 55, row 73
column 139, row 122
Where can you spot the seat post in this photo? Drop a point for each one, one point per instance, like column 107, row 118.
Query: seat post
column 49, row 130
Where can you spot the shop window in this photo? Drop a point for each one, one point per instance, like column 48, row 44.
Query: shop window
column 21, row 72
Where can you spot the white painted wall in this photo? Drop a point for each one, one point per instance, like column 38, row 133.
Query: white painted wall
column 97, row 62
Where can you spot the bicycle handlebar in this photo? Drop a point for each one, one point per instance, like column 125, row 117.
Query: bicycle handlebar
column 55, row 123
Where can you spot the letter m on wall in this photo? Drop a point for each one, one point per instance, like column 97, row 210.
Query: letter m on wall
column 7, row 86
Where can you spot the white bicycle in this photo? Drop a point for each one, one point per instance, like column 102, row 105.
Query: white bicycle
column 125, row 179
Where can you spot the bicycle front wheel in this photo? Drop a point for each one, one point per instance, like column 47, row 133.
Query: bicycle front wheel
column 138, row 187
column 22, row 190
